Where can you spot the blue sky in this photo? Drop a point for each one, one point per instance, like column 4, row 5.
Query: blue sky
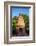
column 16, row 10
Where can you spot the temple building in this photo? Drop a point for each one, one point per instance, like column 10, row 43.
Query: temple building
column 20, row 25
column 20, row 22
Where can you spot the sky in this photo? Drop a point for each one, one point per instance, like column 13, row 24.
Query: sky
column 16, row 10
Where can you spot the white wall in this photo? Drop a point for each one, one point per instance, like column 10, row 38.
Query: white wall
column 2, row 24
column 35, row 21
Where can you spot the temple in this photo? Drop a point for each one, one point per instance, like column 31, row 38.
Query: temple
column 20, row 25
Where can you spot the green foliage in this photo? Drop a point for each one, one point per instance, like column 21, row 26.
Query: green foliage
column 26, row 19
column 14, row 26
column 14, row 23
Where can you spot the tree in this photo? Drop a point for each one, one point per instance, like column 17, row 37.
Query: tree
column 14, row 25
column 26, row 19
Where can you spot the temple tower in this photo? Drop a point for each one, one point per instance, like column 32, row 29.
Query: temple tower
column 20, row 25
